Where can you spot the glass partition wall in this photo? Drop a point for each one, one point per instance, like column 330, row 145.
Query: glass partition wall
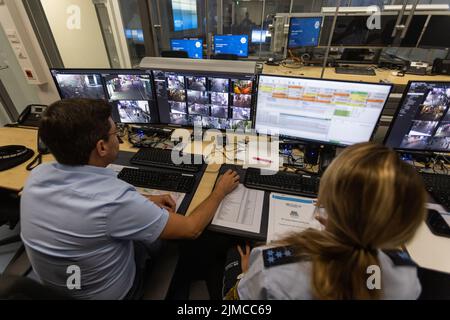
column 119, row 33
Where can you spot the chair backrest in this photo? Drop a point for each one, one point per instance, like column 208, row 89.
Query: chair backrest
column 225, row 56
column 9, row 209
column 20, row 288
column 174, row 54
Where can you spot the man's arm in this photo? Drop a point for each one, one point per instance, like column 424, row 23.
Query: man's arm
column 192, row 226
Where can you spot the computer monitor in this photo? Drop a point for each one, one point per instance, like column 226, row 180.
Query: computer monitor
column 435, row 33
column 130, row 92
column 352, row 30
column 231, row 44
column 259, row 36
column 135, row 34
column 210, row 100
column 414, row 31
column 322, row 111
column 304, row 32
column 72, row 84
column 422, row 122
column 184, row 13
column 194, row 47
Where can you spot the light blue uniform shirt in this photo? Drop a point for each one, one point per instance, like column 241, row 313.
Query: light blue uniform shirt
column 292, row 281
column 85, row 216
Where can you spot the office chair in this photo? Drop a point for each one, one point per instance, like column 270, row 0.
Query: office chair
column 9, row 215
column 21, row 288
column 225, row 56
column 174, row 54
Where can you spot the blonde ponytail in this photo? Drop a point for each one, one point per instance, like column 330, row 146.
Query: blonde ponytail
column 373, row 201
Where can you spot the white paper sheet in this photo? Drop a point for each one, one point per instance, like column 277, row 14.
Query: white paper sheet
column 241, row 209
column 176, row 196
column 290, row 214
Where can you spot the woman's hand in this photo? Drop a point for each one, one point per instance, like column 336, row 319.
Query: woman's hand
column 245, row 257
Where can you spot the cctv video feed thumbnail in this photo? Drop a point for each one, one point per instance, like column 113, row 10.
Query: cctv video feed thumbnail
column 83, row 86
column 185, row 120
column 129, row 87
column 219, row 85
column 242, row 90
column 134, row 111
column 196, row 83
column 431, row 125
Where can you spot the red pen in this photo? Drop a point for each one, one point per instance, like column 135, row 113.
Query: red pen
column 262, row 160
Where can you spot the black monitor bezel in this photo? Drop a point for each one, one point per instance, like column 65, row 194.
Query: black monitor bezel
column 190, row 39
column 102, row 71
column 325, row 143
column 241, row 35
column 210, row 74
column 397, row 112
column 322, row 18
column 424, row 31
column 358, row 14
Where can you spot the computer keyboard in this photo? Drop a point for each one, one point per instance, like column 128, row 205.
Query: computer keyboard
column 356, row 70
column 158, row 180
column 162, row 159
column 438, row 185
column 284, row 182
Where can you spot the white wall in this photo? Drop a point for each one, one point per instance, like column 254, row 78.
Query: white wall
column 20, row 91
column 3, row 117
column 79, row 48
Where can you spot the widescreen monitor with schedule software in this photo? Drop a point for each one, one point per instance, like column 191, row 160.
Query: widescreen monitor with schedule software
column 317, row 110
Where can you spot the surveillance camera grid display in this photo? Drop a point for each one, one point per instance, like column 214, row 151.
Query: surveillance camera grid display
column 423, row 122
column 207, row 101
column 128, row 91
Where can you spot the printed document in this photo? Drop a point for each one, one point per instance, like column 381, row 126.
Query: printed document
column 241, row 209
column 290, row 214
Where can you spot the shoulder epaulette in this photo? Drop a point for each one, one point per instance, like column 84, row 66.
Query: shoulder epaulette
column 400, row 258
column 278, row 256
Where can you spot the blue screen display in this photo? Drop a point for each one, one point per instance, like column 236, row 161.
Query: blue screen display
column 231, row 44
column 304, row 32
column 135, row 34
column 259, row 36
column 184, row 14
column 194, row 48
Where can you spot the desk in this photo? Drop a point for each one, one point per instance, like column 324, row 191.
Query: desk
column 382, row 75
column 14, row 179
column 428, row 250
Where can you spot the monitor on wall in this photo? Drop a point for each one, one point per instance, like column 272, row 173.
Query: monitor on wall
column 184, row 14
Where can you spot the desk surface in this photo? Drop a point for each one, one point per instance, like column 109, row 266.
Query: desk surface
column 382, row 75
column 426, row 249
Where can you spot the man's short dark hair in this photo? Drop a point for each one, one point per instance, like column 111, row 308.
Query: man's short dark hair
column 71, row 129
